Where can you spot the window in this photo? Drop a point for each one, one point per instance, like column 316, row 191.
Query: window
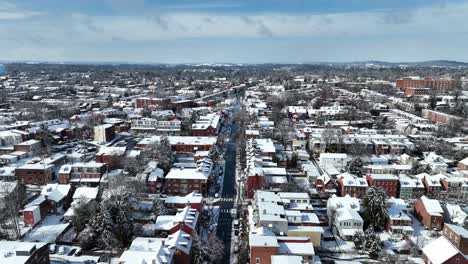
column 257, row 260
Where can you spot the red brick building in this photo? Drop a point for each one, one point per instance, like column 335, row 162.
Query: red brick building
column 428, row 82
column 82, row 172
column 154, row 181
column 34, row 174
column 193, row 199
column 112, row 156
column 433, row 186
column 352, row 186
column 417, row 91
column 458, row 236
column 388, row 182
column 255, row 182
column 442, row 251
column 180, row 181
column 429, row 212
column 142, row 102
column 28, row 146
column 439, row 117
column 262, row 248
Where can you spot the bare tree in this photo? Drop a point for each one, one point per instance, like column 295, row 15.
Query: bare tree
column 210, row 251
column 13, row 196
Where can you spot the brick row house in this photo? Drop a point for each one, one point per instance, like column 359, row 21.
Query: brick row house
column 85, row 173
column 430, row 213
column 388, row 182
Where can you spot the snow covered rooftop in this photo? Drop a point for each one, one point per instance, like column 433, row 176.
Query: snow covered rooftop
column 56, row 192
column 432, row 206
column 12, row 252
column 262, row 241
column 439, row 250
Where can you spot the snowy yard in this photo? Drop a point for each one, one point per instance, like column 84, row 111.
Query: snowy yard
column 48, row 230
column 421, row 236
column 337, row 246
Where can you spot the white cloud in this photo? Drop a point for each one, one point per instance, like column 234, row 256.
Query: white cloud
column 9, row 11
column 446, row 19
column 77, row 33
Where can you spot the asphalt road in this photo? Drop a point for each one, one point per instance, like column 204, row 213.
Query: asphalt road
column 224, row 228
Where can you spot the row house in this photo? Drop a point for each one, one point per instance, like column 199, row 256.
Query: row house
column 54, row 198
column 388, row 168
column 429, row 212
column 31, row 145
column 397, row 221
column 325, row 186
column 143, row 102
column 458, row 236
column 352, row 185
column 453, row 187
column 154, row 181
column 442, row 251
column 432, row 185
column 182, row 181
column 148, row 250
column 411, row 188
column 185, row 220
column 206, row 125
column 88, row 173
column 194, row 200
column 273, row 250
column 154, row 125
column 343, row 214
column 112, row 156
column 269, row 211
column 388, row 182
column 176, row 248
column 192, row 144
column 35, row 174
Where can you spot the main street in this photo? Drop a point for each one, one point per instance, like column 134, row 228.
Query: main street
column 224, row 228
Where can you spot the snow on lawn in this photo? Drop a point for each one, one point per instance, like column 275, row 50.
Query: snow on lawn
column 393, row 244
column 421, row 236
column 337, row 246
column 47, row 230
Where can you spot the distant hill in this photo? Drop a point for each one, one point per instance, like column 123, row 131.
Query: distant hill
column 433, row 63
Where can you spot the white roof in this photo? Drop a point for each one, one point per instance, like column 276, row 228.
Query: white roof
column 344, row 214
column 439, row 250
column 192, row 197
column 293, row 195
column 333, row 156
column 187, row 140
column 8, row 251
column 262, row 241
column 265, row 145
column 432, row 206
column 297, row 248
column 186, row 174
column 278, row 259
column 181, row 241
column 112, row 151
column 56, row 192
column 464, row 161
column 86, row 193
column 147, row 250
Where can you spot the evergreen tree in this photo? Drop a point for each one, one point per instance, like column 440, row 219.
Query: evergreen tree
column 375, row 203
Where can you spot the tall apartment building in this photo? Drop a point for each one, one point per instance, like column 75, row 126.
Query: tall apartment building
column 413, row 85
column 104, row 133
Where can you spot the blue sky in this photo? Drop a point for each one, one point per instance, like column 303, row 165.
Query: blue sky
column 249, row 31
